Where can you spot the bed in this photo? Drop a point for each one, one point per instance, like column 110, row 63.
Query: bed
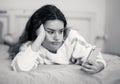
column 58, row 74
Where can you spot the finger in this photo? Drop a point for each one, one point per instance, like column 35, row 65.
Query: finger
column 86, row 65
column 94, row 68
column 90, row 62
column 90, row 71
column 42, row 28
column 90, row 67
column 42, row 32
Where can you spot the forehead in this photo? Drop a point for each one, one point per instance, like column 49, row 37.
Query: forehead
column 54, row 24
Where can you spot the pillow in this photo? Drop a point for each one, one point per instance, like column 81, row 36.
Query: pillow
column 9, row 39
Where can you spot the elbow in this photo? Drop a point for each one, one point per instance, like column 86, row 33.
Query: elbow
column 20, row 66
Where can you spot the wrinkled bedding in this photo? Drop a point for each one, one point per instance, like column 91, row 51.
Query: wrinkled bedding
column 59, row 74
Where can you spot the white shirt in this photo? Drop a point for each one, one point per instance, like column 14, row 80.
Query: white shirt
column 74, row 47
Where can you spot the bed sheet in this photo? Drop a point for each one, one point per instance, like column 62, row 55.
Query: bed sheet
column 58, row 74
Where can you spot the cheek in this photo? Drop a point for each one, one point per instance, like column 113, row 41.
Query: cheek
column 48, row 37
column 61, row 37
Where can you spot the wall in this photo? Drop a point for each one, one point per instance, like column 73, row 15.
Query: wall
column 112, row 26
column 95, row 6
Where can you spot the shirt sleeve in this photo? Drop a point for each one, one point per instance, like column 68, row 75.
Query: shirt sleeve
column 26, row 60
column 82, row 49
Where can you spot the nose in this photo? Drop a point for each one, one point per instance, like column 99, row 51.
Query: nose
column 56, row 36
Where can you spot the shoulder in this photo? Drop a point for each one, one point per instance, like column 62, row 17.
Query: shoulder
column 75, row 37
column 74, row 34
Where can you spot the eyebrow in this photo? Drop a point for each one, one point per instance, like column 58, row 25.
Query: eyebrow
column 62, row 29
column 53, row 29
column 49, row 29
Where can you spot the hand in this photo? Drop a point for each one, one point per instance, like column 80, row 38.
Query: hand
column 92, row 67
column 41, row 33
column 40, row 38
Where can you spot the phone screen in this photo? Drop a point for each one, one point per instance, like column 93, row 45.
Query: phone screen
column 93, row 54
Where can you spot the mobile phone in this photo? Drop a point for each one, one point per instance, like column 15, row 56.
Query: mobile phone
column 93, row 54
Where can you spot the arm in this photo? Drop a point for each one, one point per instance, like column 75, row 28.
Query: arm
column 80, row 53
column 28, row 58
column 37, row 43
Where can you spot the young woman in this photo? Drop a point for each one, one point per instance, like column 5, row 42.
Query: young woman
column 47, row 40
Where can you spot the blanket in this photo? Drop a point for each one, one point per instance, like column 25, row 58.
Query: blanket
column 59, row 74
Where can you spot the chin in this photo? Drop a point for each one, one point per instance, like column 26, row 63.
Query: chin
column 55, row 48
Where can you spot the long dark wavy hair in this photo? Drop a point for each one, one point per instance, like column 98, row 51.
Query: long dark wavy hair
column 40, row 16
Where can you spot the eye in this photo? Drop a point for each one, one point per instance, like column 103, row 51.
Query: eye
column 50, row 32
column 61, row 31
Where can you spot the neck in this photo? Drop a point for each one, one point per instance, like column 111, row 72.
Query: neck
column 44, row 45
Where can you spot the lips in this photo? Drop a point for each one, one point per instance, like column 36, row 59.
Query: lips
column 55, row 43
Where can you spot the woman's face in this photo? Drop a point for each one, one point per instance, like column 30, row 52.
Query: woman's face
column 54, row 30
